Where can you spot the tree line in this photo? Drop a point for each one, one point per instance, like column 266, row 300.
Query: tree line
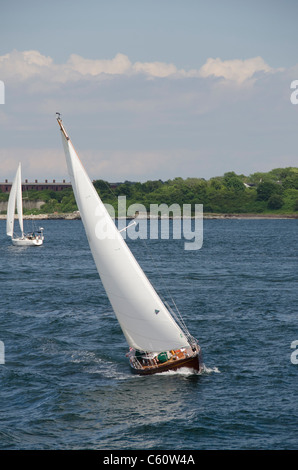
column 275, row 191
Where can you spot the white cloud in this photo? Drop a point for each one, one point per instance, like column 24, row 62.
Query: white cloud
column 155, row 69
column 24, row 65
column 181, row 122
column 27, row 64
column 119, row 65
column 234, row 70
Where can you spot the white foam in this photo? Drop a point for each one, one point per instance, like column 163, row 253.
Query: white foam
column 180, row 371
column 209, row 370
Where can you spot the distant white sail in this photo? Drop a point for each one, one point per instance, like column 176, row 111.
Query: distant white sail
column 19, row 200
column 144, row 319
column 15, row 200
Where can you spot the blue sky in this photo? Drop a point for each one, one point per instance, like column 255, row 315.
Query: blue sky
column 148, row 89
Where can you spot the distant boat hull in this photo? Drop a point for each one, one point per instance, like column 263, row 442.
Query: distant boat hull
column 193, row 362
column 27, row 241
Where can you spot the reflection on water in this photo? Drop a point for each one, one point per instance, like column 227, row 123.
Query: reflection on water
column 66, row 383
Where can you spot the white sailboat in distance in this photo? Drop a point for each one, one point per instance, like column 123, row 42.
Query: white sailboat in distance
column 15, row 202
column 156, row 342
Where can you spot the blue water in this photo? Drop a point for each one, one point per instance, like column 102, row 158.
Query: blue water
column 66, row 383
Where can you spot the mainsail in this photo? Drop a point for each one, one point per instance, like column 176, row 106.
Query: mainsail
column 143, row 317
column 15, row 200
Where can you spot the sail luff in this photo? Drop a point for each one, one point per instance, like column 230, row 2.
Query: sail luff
column 19, row 200
column 144, row 319
column 11, row 206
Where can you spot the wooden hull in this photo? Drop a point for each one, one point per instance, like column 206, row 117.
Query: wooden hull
column 194, row 362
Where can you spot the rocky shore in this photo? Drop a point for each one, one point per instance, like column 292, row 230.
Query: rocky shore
column 250, row 216
column 55, row 215
column 76, row 216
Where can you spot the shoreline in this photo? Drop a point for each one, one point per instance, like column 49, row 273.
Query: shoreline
column 207, row 216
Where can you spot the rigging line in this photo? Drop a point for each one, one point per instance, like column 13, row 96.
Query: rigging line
column 180, row 318
column 109, row 188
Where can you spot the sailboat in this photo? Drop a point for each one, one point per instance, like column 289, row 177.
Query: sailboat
column 157, row 343
column 15, row 201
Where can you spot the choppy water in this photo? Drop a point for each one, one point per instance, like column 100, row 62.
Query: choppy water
column 66, row 384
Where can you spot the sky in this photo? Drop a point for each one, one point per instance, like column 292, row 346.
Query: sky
column 148, row 89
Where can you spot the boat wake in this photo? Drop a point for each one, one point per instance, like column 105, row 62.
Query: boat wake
column 185, row 371
column 209, row 370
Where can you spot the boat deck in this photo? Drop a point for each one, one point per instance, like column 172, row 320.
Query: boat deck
column 184, row 357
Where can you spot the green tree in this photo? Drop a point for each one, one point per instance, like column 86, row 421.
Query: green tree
column 275, row 201
column 290, row 181
column 266, row 189
column 216, row 183
column 101, row 185
column 233, row 182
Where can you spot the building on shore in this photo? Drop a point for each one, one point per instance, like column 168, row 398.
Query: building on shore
column 36, row 186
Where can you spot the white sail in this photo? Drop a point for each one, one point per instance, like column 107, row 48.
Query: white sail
column 15, row 200
column 19, row 200
column 144, row 319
